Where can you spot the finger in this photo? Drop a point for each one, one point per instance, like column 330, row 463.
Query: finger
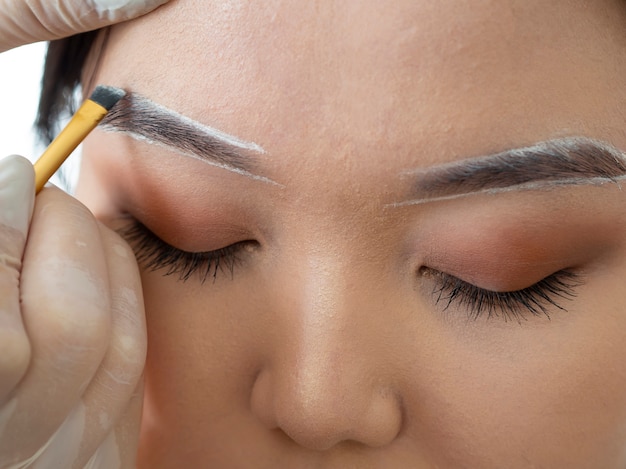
column 17, row 195
column 65, row 308
column 119, row 449
column 127, row 430
column 87, row 438
column 27, row 21
column 115, row 384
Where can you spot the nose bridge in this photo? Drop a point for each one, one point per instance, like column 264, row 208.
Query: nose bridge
column 327, row 383
column 334, row 311
column 327, row 359
column 324, row 301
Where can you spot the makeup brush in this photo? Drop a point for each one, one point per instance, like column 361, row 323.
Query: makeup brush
column 86, row 118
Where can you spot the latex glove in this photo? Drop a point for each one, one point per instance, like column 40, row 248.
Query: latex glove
column 72, row 332
column 26, row 21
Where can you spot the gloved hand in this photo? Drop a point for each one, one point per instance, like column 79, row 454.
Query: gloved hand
column 26, row 21
column 72, row 326
column 72, row 332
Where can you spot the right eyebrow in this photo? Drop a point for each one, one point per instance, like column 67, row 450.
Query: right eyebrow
column 145, row 120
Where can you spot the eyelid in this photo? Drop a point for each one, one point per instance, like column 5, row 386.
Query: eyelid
column 154, row 254
column 537, row 299
column 508, row 247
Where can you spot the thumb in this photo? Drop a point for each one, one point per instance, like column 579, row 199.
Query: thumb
column 26, row 21
column 17, row 195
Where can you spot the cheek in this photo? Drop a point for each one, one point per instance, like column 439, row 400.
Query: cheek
column 203, row 352
column 195, row 331
column 541, row 390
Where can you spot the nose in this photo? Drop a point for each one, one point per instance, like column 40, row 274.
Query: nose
column 328, row 380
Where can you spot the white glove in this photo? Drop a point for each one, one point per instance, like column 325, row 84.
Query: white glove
column 72, row 333
column 27, row 21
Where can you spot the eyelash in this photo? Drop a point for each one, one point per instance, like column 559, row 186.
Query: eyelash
column 155, row 254
column 536, row 299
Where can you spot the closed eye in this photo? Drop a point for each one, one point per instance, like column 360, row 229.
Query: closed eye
column 539, row 299
column 154, row 254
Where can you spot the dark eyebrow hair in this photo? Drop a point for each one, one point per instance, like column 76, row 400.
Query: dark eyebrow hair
column 566, row 161
column 145, row 120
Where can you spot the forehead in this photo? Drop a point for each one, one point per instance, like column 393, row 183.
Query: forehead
column 435, row 78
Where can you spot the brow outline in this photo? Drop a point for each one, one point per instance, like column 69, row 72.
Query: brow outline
column 548, row 164
column 145, row 120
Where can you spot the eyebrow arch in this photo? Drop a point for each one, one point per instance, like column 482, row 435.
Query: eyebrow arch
column 145, row 120
column 560, row 162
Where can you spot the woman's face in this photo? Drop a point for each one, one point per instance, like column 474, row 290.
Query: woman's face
column 345, row 313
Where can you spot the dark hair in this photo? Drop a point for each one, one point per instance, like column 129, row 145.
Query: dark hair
column 62, row 76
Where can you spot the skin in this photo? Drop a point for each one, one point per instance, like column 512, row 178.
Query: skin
column 326, row 347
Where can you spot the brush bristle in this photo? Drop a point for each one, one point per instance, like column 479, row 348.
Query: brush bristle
column 107, row 96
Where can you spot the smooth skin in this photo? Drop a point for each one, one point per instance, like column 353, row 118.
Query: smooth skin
column 326, row 348
column 72, row 328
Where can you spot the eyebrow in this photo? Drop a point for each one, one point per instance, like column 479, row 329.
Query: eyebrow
column 560, row 162
column 145, row 120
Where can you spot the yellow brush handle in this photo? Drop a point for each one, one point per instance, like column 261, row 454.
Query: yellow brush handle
column 84, row 121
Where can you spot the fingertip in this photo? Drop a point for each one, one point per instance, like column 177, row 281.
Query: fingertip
column 122, row 10
column 17, row 192
column 17, row 163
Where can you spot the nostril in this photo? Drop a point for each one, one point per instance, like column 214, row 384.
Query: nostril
column 326, row 413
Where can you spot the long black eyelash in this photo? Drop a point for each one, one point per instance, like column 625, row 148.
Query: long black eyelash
column 155, row 254
column 536, row 299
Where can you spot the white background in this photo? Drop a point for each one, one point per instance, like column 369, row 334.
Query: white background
column 20, row 78
column 20, row 84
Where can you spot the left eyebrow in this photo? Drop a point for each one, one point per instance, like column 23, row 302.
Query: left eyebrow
column 560, row 162
column 145, row 120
